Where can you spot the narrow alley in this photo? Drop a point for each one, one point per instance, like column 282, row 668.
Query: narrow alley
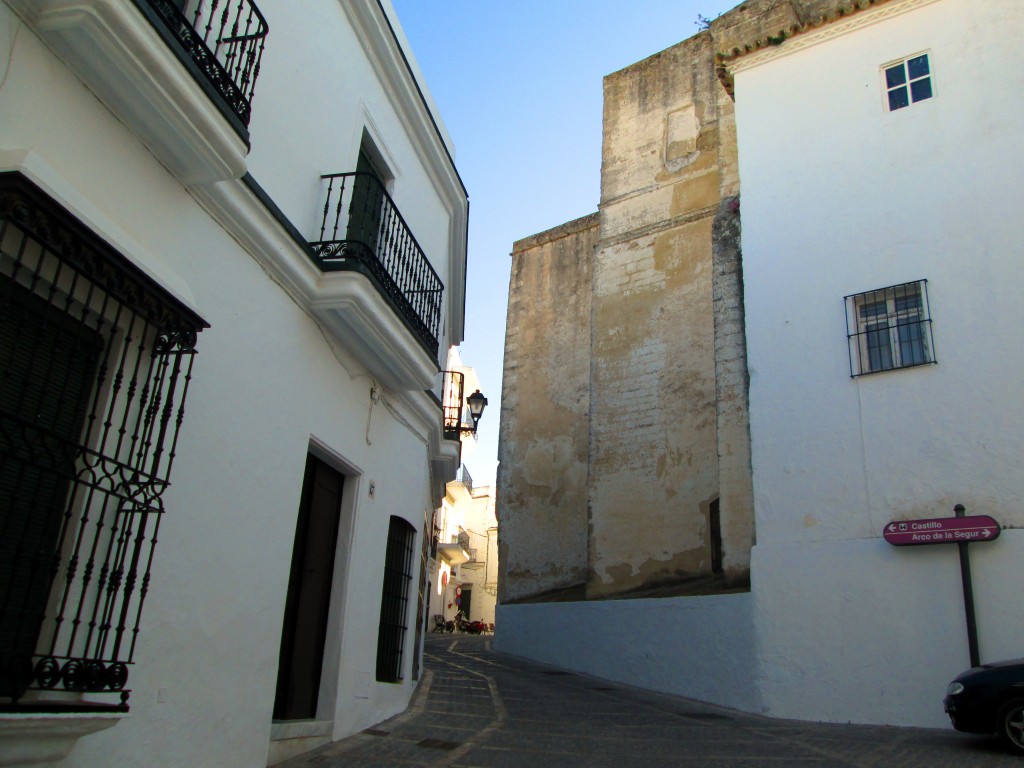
column 479, row 708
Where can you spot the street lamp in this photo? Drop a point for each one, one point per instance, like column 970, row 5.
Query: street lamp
column 476, row 403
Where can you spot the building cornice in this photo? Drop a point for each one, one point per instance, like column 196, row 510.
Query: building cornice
column 847, row 16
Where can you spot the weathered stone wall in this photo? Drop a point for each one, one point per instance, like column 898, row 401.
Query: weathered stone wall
column 653, row 452
column 661, row 340
column 542, row 473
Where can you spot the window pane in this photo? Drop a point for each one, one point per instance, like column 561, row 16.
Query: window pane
column 895, row 76
column 898, row 98
column 879, row 349
column 904, row 303
column 873, row 310
column 921, row 89
column 918, row 67
column 911, row 345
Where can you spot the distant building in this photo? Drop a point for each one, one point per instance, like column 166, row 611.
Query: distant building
column 787, row 389
column 256, row 208
column 464, row 576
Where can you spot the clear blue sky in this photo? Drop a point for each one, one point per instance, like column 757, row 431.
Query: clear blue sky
column 519, row 87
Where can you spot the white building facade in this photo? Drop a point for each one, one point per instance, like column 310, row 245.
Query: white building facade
column 280, row 235
column 464, row 574
column 878, row 172
column 877, row 156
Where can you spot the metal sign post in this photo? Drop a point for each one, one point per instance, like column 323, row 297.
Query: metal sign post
column 960, row 530
column 965, row 576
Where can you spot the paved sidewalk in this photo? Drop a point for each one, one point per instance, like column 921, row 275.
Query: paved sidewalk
column 479, row 709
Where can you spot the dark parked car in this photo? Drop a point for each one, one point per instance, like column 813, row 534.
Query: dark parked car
column 990, row 699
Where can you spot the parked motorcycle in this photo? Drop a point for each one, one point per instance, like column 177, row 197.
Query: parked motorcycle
column 470, row 627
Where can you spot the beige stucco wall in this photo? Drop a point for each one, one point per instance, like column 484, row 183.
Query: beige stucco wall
column 542, row 473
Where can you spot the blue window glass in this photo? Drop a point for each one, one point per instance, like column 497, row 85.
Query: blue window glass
column 874, row 309
column 921, row 89
column 904, row 303
column 895, row 76
column 898, row 98
column 918, row 66
column 879, row 348
column 911, row 344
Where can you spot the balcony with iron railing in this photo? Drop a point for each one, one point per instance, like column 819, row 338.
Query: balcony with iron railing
column 451, row 403
column 363, row 231
column 132, row 55
column 221, row 43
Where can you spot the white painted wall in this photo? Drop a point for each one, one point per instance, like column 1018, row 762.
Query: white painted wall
column 839, row 197
column 699, row 647
column 267, row 384
column 861, row 631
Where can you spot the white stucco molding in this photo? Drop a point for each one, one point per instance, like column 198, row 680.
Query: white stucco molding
column 36, row 169
column 116, row 52
column 828, row 31
column 352, row 307
column 404, row 89
column 35, row 739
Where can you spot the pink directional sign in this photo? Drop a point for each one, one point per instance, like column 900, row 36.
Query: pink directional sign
column 941, row 530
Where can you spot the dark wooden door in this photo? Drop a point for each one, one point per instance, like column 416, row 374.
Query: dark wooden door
column 309, row 593
column 367, row 203
column 467, row 599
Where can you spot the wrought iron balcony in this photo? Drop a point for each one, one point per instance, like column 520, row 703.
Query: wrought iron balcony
column 451, row 404
column 223, row 40
column 362, row 230
column 463, row 476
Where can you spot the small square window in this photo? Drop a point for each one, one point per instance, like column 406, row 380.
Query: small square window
column 889, row 328
column 908, row 81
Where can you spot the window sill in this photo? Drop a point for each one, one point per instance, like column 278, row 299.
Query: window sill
column 32, row 738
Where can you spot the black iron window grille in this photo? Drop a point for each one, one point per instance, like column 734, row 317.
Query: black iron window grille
column 394, row 601
column 889, row 328
column 95, row 363
column 223, row 40
column 362, row 230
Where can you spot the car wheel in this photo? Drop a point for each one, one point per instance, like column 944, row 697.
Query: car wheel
column 1010, row 722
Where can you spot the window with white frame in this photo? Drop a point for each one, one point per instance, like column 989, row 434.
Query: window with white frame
column 889, row 328
column 908, row 81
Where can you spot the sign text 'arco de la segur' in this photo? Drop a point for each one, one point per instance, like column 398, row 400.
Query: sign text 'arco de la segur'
column 941, row 530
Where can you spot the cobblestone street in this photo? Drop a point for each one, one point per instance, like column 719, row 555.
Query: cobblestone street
column 479, row 709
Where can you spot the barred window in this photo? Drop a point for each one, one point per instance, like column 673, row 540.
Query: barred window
column 889, row 328
column 394, row 601
column 95, row 362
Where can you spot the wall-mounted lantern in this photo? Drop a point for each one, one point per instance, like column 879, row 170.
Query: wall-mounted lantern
column 476, row 403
